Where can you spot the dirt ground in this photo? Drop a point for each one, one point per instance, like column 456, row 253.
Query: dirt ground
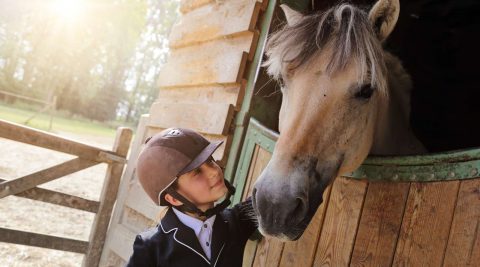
column 16, row 160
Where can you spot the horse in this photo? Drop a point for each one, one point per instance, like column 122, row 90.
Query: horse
column 343, row 97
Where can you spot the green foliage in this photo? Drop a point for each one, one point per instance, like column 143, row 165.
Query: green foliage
column 150, row 55
column 86, row 55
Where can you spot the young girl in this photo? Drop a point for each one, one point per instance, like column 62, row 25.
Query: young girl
column 176, row 169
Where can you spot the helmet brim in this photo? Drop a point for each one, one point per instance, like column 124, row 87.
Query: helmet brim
column 201, row 157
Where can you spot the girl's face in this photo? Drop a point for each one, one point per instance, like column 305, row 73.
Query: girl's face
column 204, row 185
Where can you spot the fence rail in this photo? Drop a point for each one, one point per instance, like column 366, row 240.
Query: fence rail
column 87, row 156
column 48, row 106
column 24, row 97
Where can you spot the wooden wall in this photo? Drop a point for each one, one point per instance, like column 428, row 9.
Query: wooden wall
column 380, row 224
column 200, row 87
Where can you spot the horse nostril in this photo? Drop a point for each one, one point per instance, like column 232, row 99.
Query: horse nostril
column 300, row 209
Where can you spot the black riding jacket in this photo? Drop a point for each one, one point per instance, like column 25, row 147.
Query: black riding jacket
column 173, row 244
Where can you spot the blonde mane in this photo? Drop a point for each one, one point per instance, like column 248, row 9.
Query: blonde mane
column 344, row 28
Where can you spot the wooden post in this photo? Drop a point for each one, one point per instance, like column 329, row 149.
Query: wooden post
column 53, row 107
column 107, row 199
column 113, row 233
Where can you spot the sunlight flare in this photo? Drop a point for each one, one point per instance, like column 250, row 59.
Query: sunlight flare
column 68, row 10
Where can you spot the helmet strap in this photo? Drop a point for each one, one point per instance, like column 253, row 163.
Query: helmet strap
column 190, row 207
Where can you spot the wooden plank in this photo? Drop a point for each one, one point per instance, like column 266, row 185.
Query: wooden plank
column 189, row 5
column 43, row 139
column 253, row 47
column 243, row 65
column 264, row 4
column 15, row 186
column 138, row 200
column 226, row 94
column 213, row 21
column 210, row 63
column 122, row 241
column 426, row 224
column 269, row 252
column 241, row 94
column 463, row 247
column 59, row 198
column 302, row 251
column 249, row 253
column 201, row 117
column 251, row 178
column 380, row 224
column 3, row 92
column 221, row 154
column 138, row 222
column 113, row 260
column 257, row 10
column 340, row 224
column 43, row 241
column 260, row 159
column 107, row 199
column 126, row 181
column 108, row 157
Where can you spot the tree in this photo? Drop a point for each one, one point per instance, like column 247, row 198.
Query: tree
column 100, row 58
column 149, row 58
column 46, row 54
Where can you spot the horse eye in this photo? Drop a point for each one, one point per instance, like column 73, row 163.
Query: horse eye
column 365, row 92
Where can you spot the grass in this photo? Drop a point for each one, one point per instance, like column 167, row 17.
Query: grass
column 60, row 123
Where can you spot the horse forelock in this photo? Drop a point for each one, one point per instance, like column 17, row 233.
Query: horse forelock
column 343, row 28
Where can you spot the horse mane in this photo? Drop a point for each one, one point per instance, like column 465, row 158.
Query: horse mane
column 344, row 28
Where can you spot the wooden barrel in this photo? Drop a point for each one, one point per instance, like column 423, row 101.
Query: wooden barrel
column 392, row 211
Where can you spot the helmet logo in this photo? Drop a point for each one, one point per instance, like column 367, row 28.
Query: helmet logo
column 174, row 132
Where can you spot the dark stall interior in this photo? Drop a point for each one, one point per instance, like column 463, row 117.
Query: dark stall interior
column 438, row 44
column 437, row 41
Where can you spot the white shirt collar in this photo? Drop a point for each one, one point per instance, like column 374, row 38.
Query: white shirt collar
column 203, row 229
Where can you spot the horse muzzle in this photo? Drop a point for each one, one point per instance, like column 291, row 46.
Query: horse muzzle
column 285, row 205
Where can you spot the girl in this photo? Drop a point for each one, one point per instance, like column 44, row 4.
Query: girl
column 176, row 169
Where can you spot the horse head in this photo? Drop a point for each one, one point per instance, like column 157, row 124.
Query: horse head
column 333, row 76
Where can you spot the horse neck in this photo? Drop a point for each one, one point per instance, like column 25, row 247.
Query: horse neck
column 393, row 134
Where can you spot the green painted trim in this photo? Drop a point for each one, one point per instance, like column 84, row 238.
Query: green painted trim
column 232, row 161
column 241, row 118
column 256, row 135
column 445, row 166
column 262, row 136
column 418, row 173
column 242, row 169
column 427, row 159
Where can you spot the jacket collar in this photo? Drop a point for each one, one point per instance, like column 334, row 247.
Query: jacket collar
column 186, row 236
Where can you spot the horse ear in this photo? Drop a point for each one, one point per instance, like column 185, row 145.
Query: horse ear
column 292, row 16
column 384, row 16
